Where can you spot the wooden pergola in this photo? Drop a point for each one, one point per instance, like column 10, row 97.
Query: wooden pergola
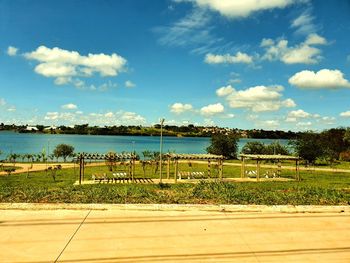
column 112, row 157
column 264, row 157
column 208, row 157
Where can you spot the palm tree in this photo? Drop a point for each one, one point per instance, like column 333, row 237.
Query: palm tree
column 12, row 158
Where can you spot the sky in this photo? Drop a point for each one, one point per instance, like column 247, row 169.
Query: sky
column 247, row 64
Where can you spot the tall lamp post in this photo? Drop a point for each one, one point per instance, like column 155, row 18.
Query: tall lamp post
column 161, row 148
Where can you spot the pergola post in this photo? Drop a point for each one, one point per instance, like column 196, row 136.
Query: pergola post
column 297, row 173
column 221, row 164
column 279, row 168
column 168, row 168
column 176, row 170
column 242, row 167
column 80, row 169
column 258, row 170
column 209, row 168
column 83, row 168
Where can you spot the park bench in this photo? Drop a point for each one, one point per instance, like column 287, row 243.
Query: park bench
column 191, row 175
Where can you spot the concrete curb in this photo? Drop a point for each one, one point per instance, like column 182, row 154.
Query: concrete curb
column 180, row 207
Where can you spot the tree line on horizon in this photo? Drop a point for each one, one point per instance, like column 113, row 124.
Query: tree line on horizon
column 155, row 130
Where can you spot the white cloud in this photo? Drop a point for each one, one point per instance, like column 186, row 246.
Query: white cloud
column 266, row 42
column 129, row 84
column 289, row 103
column 345, row 114
column 269, row 124
column 11, row 109
column 327, row 120
column 63, row 64
column 51, row 116
column 239, row 57
column 304, row 124
column 12, row 51
column 93, row 118
column 130, row 117
column 212, row 109
column 291, row 119
column 304, row 53
column 256, row 99
column 2, row 102
column 298, row 114
column 109, row 114
column 55, row 70
column 180, row 108
column 323, row 79
column 69, row 106
column 224, row 91
column 242, row 8
column 315, row 39
column 193, row 31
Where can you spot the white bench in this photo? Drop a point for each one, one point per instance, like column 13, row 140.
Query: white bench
column 190, row 175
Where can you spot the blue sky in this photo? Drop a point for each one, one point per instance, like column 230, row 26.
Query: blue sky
column 274, row 64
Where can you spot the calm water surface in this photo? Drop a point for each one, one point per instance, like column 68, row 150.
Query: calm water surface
column 35, row 143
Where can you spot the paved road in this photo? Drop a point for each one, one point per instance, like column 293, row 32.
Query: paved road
column 118, row 235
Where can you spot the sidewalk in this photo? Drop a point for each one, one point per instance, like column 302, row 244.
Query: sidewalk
column 136, row 233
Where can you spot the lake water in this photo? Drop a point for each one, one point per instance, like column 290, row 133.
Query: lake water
column 11, row 142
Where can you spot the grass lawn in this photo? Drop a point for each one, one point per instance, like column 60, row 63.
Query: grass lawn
column 317, row 188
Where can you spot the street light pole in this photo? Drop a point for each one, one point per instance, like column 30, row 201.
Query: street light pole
column 161, row 149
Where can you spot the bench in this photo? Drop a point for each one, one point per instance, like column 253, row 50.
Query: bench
column 191, row 175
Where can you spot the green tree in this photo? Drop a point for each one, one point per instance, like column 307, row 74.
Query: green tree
column 333, row 143
column 276, row 148
column 225, row 145
column 254, row 147
column 308, row 146
column 346, row 137
column 64, row 151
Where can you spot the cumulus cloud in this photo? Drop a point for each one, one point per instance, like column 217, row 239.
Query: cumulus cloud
column 180, row 108
column 304, row 53
column 239, row 57
column 63, row 64
column 345, row 114
column 323, row 79
column 12, row 51
column 212, row 109
column 242, row 8
column 256, row 99
column 129, row 84
column 52, row 115
column 224, row 91
column 2, row 102
column 268, row 124
column 315, row 39
column 69, row 106
column 298, row 114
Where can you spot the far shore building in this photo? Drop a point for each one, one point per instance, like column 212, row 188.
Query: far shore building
column 31, row 128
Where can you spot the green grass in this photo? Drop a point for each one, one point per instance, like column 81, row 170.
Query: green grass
column 317, row 188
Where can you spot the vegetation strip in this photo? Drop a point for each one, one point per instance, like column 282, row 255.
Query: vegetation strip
column 180, row 207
